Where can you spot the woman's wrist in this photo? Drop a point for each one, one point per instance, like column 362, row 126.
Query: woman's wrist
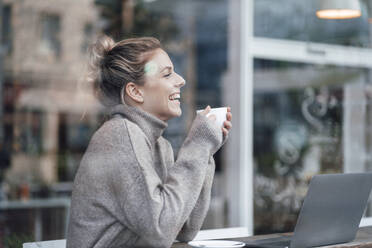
column 204, row 132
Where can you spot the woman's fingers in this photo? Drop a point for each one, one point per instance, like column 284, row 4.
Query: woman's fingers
column 229, row 116
column 227, row 125
column 225, row 131
column 206, row 110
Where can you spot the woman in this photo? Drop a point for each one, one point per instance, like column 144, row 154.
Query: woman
column 129, row 191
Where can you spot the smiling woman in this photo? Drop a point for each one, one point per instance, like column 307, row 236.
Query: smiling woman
column 129, row 191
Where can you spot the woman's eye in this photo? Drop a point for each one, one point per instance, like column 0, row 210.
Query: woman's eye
column 167, row 75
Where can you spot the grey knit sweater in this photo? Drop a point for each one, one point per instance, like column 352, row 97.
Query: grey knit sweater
column 129, row 191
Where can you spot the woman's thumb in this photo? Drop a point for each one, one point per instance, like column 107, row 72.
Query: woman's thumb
column 206, row 110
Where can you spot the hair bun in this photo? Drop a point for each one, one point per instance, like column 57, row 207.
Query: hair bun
column 97, row 52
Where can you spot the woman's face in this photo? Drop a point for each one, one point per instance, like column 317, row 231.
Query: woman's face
column 162, row 88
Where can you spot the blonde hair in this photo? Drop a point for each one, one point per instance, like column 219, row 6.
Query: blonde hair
column 112, row 65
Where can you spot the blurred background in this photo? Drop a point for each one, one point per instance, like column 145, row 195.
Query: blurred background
column 300, row 88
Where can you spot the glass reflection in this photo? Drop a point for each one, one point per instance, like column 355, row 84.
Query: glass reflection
column 308, row 119
column 296, row 20
column 49, row 113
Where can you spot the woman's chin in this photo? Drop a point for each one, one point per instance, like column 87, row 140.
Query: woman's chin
column 179, row 112
column 176, row 113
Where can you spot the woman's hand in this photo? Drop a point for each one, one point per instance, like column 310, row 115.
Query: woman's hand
column 206, row 111
column 227, row 125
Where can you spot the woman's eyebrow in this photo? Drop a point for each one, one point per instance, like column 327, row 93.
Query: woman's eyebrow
column 167, row 67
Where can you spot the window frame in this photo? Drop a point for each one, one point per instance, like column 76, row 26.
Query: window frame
column 274, row 49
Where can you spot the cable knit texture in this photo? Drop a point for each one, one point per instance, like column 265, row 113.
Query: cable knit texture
column 129, row 191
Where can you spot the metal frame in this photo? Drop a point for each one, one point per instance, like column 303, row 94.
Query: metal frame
column 1, row 75
column 310, row 52
column 246, row 117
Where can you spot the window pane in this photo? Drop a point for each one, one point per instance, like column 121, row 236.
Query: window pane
column 296, row 20
column 50, row 39
column 6, row 37
column 51, row 113
column 304, row 125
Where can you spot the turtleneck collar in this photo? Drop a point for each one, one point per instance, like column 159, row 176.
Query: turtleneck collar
column 152, row 126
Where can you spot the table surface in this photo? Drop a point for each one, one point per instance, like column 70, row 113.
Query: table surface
column 363, row 239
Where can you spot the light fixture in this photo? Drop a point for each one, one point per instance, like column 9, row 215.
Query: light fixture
column 338, row 9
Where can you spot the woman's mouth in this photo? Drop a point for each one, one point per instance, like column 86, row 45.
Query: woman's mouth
column 175, row 97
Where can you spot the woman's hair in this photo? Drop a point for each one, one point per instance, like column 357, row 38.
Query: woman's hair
column 112, row 65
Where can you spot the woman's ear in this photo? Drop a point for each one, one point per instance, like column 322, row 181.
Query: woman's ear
column 134, row 92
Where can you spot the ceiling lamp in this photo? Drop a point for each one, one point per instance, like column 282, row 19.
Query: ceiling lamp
column 338, row 9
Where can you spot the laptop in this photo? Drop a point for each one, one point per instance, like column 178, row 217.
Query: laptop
column 330, row 214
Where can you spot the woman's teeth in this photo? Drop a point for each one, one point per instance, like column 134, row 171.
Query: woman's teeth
column 174, row 97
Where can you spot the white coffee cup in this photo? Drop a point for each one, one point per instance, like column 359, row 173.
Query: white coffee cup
column 220, row 114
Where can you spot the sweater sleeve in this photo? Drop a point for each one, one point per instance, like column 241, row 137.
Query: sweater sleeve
column 198, row 214
column 156, row 211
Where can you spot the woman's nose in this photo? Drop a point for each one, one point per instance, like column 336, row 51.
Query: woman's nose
column 180, row 81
